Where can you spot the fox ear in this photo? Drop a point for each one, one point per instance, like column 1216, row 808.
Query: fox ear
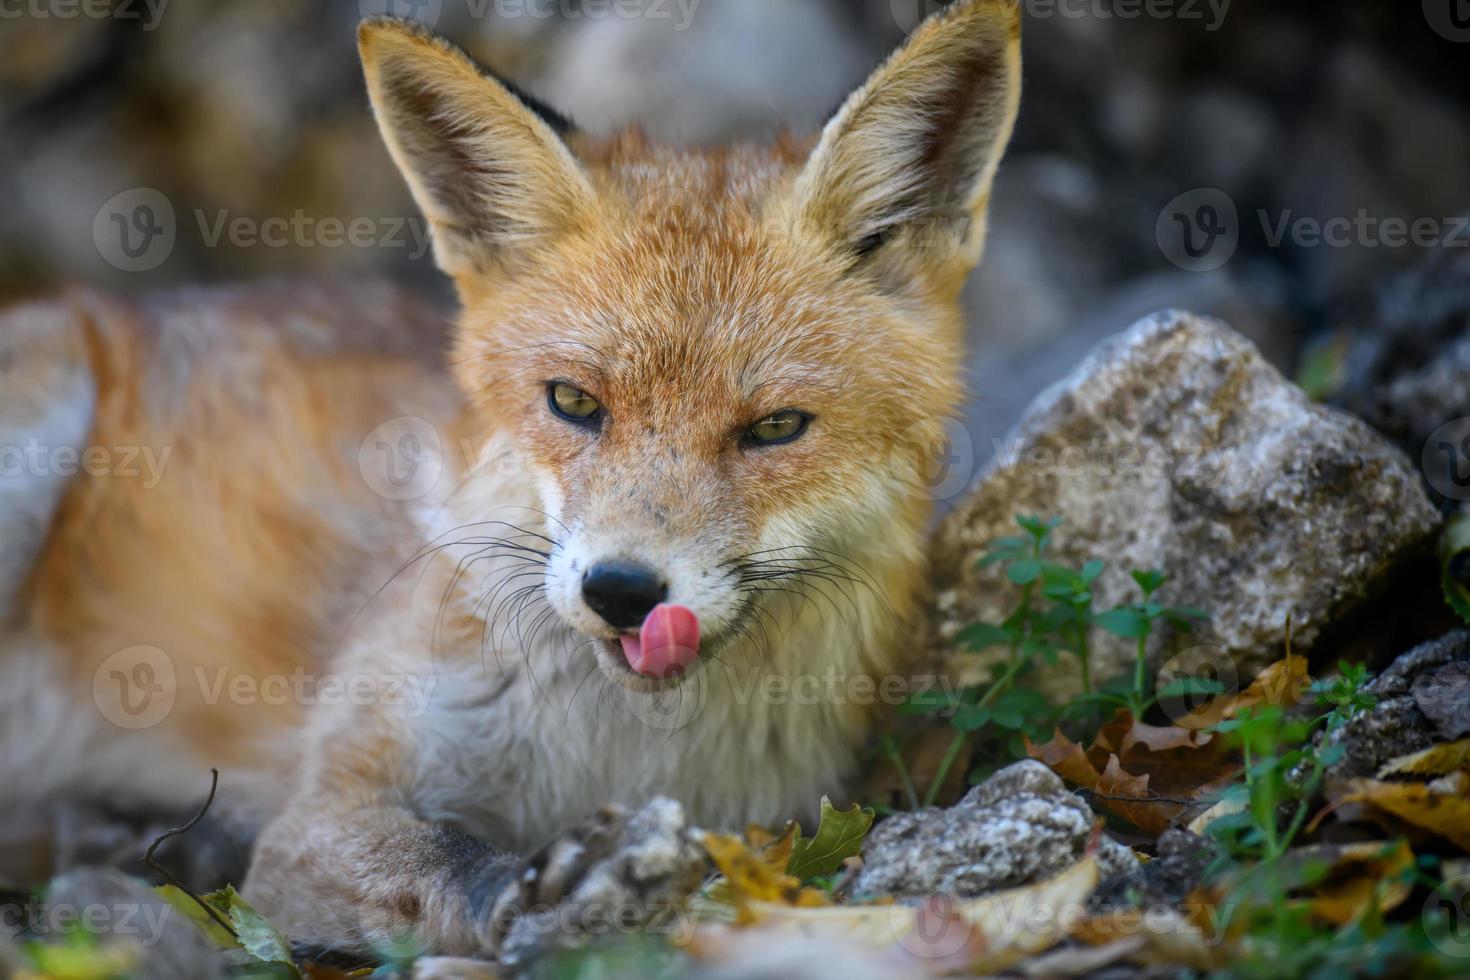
column 486, row 164
column 902, row 174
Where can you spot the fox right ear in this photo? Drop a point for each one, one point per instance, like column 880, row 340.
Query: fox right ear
column 902, row 173
column 486, row 164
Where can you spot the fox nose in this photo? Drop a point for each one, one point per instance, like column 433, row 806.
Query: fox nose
column 623, row 592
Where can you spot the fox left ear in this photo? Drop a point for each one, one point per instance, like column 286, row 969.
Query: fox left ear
column 485, row 163
column 903, row 172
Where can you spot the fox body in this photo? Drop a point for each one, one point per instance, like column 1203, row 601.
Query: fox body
column 676, row 452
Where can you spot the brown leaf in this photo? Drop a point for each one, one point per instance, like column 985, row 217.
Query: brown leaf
column 1116, row 790
column 1284, row 683
column 1177, row 760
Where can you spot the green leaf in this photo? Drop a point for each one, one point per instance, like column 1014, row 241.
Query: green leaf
column 839, row 836
column 192, row 911
column 1151, row 581
column 1124, row 621
column 1091, row 571
column 932, row 702
column 1024, row 572
column 1009, row 716
column 257, row 936
column 970, row 718
column 982, row 636
column 260, row 940
column 1187, row 686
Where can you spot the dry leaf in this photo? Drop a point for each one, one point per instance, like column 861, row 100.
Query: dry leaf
column 1169, row 939
column 1437, row 760
column 1362, row 876
column 1441, row 807
column 1283, row 683
column 991, row 933
column 753, row 877
column 1116, row 790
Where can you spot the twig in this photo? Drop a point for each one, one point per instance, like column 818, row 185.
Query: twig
column 1146, row 799
column 168, row 875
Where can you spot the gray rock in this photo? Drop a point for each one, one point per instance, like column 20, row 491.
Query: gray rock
column 123, row 911
column 1019, row 826
column 619, row 874
column 1176, row 446
column 1167, row 880
column 1397, row 725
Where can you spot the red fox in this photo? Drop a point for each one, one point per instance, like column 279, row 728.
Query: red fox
column 675, row 456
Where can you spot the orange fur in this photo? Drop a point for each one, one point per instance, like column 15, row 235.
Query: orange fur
column 692, row 293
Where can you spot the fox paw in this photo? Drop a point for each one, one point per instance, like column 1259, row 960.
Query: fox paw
column 615, row 874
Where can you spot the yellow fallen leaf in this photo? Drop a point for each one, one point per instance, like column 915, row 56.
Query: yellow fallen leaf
column 752, row 876
column 1169, row 939
column 1441, row 807
column 992, row 933
column 1437, row 760
column 1362, row 876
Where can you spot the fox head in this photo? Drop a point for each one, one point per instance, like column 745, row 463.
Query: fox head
column 723, row 368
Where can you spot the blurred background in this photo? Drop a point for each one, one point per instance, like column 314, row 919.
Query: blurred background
column 1301, row 170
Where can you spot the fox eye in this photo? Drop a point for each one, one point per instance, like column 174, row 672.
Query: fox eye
column 784, row 426
column 573, row 404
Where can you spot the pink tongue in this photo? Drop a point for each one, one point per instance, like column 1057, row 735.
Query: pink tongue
column 666, row 645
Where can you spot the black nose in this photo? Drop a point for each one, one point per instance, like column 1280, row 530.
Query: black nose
column 623, row 592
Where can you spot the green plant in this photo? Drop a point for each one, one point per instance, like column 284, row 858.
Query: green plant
column 1053, row 615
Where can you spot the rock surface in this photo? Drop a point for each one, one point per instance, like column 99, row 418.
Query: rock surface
column 123, row 911
column 1019, row 826
column 1431, row 675
column 1176, row 446
column 617, row 874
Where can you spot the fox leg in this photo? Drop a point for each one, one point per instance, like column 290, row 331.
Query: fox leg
column 350, row 865
column 375, row 877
